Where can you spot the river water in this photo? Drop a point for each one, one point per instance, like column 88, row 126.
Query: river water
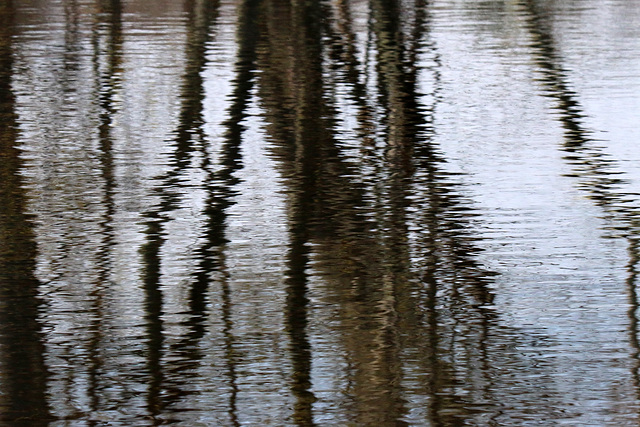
column 319, row 213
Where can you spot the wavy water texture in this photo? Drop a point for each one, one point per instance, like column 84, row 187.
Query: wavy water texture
column 349, row 212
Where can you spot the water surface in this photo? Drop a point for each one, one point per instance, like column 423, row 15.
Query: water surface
column 262, row 212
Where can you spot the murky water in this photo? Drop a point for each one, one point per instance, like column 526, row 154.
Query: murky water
column 331, row 213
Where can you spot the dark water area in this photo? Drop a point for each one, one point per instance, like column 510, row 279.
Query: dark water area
column 319, row 213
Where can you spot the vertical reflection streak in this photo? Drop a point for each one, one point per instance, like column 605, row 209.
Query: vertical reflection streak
column 153, row 307
column 590, row 162
column 23, row 397
column 409, row 153
column 72, row 38
column 450, row 267
column 297, row 321
column 300, row 123
column 634, row 308
column 345, row 53
column 229, row 343
column 109, row 19
column 402, row 131
column 388, row 304
column 435, row 369
column 200, row 31
column 189, row 130
column 409, row 163
column 218, row 184
column 221, row 183
column 307, row 20
column 426, row 160
column 428, row 177
column 301, row 211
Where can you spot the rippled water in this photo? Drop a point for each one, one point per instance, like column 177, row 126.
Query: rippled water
column 262, row 212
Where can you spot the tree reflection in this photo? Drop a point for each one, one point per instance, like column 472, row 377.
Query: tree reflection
column 107, row 45
column 166, row 388
column 590, row 163
column 24, row 374
column 386, row 232
column 387, row 313
column 594, row 169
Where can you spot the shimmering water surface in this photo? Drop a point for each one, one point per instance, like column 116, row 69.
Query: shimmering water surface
column 331, row 213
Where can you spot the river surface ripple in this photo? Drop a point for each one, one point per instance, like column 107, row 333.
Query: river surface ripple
column 319, row 213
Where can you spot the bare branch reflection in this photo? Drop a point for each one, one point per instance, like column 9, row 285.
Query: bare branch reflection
column 278, row 212
column 592, row 167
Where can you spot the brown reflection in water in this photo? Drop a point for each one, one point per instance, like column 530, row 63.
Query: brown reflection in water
column 107, row 61
column 219, row 185
column 594, row 169
column 397, row 319
column 449, row 271
column 167, row 388
column 23, row 374
column 389, row 237
column 290, row 51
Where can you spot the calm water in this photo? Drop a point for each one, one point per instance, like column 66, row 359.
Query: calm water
column 319, row 213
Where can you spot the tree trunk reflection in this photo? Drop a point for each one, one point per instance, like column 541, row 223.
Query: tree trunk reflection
column 24, row 372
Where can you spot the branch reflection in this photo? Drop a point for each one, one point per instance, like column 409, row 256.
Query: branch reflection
column 383, row 235
column 168, row 388
column 593, row 168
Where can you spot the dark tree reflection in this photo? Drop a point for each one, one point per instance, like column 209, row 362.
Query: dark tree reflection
column 24, row 375
column 167, row 388
column 355, row 295
column 388, row 233
column 592, row 167
column 107, row 45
